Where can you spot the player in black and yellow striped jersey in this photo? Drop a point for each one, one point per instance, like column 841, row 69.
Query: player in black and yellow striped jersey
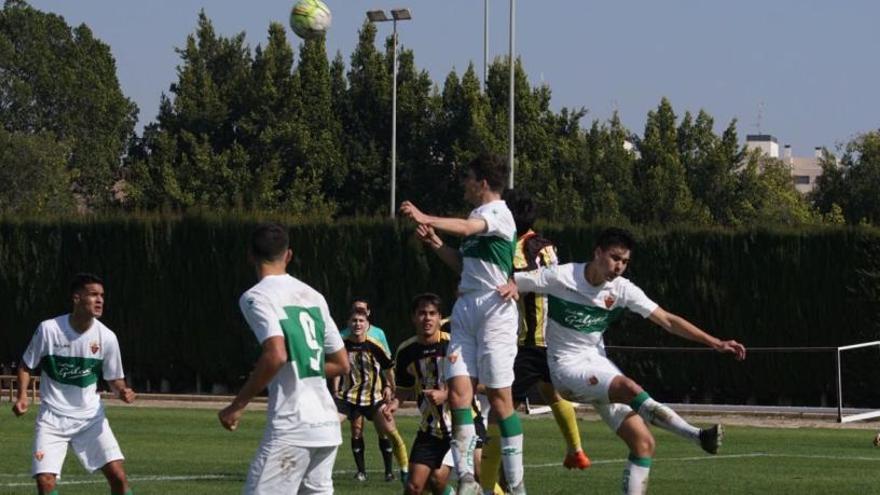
column 530, row 367
column 419, row 372
column 366, row 390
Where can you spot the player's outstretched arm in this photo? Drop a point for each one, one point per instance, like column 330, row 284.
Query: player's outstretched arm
column 21, row 401
column 461, row 227
column 121, row 390
column 677, row 325
column 271, row 360
column 449, row 256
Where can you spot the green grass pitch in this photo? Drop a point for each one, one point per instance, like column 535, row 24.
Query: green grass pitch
column 185, row 451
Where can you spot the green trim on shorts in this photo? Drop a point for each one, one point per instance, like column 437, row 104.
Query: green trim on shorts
column 644, row 462
column 463, row 416
column 639, row 400
column 510, row 426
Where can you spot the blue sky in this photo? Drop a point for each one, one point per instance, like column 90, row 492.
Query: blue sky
column 810, row 68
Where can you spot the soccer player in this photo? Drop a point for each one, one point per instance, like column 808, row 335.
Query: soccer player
column 483, row 341
column 419, row 371
column 365, row 391
column 386, row 448
column 374, row 332
column 300, row 348
column 583, row 299
column 530, row 367
column 74, row 351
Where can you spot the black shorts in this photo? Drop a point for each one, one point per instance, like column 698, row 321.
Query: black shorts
column 354, row 411
column 428, row 450
column 529, row 368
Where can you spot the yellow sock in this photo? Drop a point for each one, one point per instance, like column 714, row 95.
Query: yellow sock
column 491, row 462
column 399, row 449
column 563, row 413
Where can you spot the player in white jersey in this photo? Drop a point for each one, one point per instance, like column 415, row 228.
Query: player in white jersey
column 301, row 347
column 583, row 299
column 74, row 351
column 484, row 324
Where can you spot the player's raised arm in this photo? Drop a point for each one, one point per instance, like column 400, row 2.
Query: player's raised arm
column 677, row 325
column 451, row 257
column 461, row 227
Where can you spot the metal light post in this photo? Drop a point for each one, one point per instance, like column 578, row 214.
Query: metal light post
column 510, row 155
column 396, row 15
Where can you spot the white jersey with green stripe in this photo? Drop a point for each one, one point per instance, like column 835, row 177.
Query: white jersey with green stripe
column 71, row 364
column 487, row 258
column 300, row 407
column 579, row 312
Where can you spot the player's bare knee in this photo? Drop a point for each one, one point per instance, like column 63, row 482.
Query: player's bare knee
column 623, row 390
column 414, row 487
column 45, row 482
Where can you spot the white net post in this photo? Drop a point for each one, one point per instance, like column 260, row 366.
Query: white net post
column 841, row 418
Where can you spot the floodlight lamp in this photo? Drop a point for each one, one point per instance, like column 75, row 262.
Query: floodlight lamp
column 377, row 16
column 401, row 14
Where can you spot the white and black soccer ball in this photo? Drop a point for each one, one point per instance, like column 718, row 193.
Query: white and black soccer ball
column 877, row 439
column 310, row 18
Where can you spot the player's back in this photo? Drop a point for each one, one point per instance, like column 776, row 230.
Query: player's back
column 299, row 404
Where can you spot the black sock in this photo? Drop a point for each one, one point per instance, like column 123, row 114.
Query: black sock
column 357, row 448
column 385, row 448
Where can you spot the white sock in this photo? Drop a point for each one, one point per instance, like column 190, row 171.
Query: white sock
column 635, row 475
column 663, row 416
column 464, row 440
column 512, row 449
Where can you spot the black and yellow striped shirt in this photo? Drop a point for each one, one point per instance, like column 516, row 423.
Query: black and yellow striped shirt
column 420, row 368
column 532, row 252
column 362, row 386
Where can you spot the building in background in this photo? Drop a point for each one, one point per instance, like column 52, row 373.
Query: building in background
column 804, row 169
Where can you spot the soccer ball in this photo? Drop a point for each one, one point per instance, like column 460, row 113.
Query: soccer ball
column 877, row 440
column 310, row 19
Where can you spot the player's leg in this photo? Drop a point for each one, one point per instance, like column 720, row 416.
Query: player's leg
column 388, row 427
column 418, row 481
column 115, row 474
column 386, row 448
column 277, row 467
column 624, row 390
column 632, row 429
column 491, row 458
column 439, row 481
column 356, row 423
column 51, row 438
column 318, row 476
column 461, row 372
column 566, row 419
column 498, row 351
column 97, row 448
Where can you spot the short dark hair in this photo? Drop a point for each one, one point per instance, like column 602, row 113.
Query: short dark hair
column 358, row 312
column 81, row 280
column 614, row 236
column 425, row 298
column 523, row 208
column 360, row 299
column 269, row 242
column 491, row 168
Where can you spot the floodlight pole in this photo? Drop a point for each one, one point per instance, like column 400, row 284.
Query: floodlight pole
column 510, row 153
column 485, row 45
column 394, row 125
column 375, row 16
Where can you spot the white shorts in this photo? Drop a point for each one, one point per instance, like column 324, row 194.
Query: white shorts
column 279, row 467
column 483, row 340
column 586, row 380
column 92, row 441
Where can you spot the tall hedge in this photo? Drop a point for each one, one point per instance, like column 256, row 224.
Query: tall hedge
column 173, row 284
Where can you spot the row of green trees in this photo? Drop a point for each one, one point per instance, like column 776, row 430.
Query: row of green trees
column 173, row 284
column 281, row 129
